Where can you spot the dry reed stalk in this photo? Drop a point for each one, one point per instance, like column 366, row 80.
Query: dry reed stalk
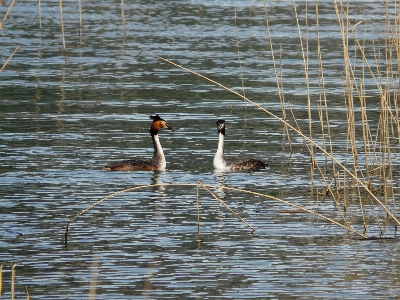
column 298, row 128
column 40, row 15
column 395, row 40
column 282, row 99
column 365, row 131
column 224, row 204
column 365, row 136
column 393, row 126
column 80, row 18
column 62, row 33
column 279, row 82
column 241, row 77
column 350, row 109
column 385, row 149
column 198, row 210
column 13, row 280
column 93, row 277
column 306, row 66
column 123, row 16
column 344, row 192
column 28, row 297
column 8, row 60
column 6, row 15
column 309, row 140
column 323, row 106
column 238, row 53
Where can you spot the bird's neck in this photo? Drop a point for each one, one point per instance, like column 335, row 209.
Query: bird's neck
column 219, row 158
column 158, row 155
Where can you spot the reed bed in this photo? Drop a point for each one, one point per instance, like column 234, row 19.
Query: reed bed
column 366, row 176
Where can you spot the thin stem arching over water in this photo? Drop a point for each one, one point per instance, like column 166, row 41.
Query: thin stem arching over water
column 207, row 187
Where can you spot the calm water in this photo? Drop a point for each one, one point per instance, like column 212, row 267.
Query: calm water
column 59, row 124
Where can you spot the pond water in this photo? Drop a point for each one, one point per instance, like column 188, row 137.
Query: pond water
column 62, row 118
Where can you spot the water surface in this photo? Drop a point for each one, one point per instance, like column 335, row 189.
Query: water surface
column 60, row 123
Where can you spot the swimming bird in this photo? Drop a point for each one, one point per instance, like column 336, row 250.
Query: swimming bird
column 157, row 162
column 233, row 164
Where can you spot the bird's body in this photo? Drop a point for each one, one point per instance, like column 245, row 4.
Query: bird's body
column 156, row 163
column 233, row 164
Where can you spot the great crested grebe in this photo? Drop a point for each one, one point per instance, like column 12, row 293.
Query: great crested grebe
column 233, row 164
column 157, row 162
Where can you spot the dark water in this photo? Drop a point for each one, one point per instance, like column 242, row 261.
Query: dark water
column 59, row 123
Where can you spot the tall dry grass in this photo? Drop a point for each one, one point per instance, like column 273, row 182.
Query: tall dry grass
column 373, row 161
column 13, row 274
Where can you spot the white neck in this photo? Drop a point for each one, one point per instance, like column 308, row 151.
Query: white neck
column 219, row 158
column 158, row 156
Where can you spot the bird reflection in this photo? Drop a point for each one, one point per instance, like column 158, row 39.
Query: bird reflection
column 156, row 179
column 220, row 178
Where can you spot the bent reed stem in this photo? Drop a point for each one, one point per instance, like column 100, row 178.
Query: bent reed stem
column 224, row 204
column 207, row 186
column 8, row 60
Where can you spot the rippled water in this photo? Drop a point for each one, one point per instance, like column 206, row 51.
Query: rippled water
column 60, row 123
